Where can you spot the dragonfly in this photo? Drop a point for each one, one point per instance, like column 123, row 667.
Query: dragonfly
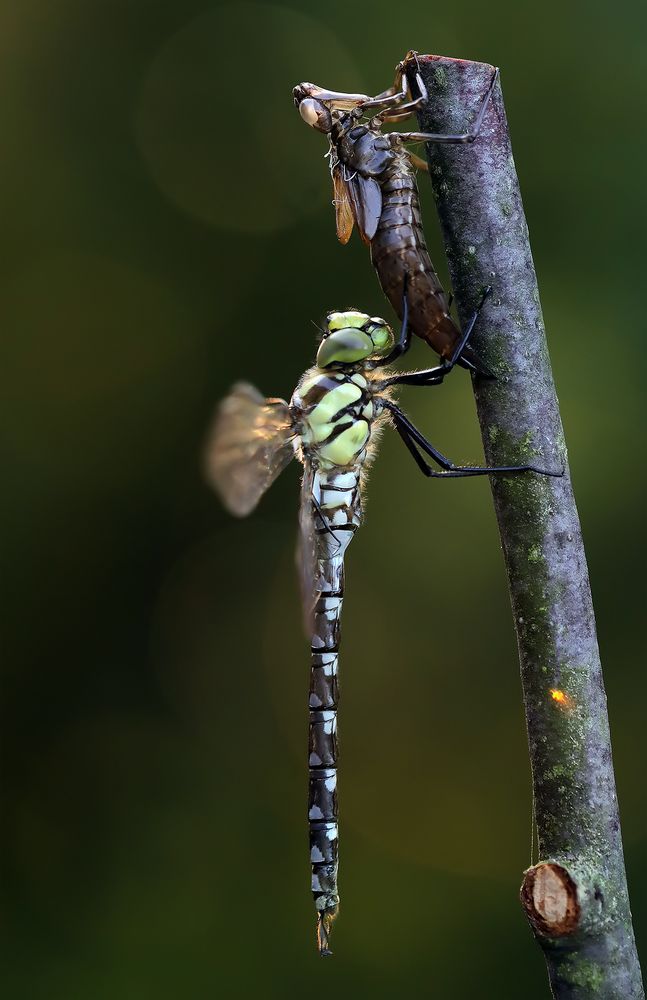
column 375, row 189
column 331, row 426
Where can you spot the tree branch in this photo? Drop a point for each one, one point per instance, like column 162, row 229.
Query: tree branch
column 576, row 898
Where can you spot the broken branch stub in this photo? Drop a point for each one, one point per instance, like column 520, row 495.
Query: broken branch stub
column 549, row 897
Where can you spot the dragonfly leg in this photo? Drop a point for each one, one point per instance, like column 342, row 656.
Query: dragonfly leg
column 456, row 357
column 395, row 116
column 401, row 111
column 469, row 326
column 318, row 508
column 399, row 91
column 428, row 376
column 403, row 342
column 417, row 442
column 434, row 376
column 469, row 136
column 387, row 99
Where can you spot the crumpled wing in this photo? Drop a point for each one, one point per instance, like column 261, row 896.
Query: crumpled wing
column 366, row 202
column 343, row 212
column 307, row 552
column 250, row 443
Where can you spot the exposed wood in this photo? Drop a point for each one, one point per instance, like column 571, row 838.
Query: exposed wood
column 549, row 897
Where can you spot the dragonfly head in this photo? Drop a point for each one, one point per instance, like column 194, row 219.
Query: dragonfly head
column 352, row 336
column 314, row 112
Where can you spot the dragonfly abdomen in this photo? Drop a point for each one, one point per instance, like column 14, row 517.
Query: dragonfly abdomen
column 338, row 505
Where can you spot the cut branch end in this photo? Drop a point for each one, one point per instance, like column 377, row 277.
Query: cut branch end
column 549, row 897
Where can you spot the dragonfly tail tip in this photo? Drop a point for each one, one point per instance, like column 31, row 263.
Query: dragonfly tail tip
column 324, row 924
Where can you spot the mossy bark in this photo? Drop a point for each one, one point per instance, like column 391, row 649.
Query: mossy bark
column 590, row 950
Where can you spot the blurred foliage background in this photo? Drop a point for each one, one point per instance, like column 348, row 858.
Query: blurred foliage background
column 167, row 229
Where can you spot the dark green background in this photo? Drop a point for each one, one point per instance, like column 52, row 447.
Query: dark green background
column 166, row 229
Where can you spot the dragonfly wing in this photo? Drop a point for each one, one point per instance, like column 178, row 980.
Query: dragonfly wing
column 250, row 443
column 307, row 551
column 366, row 202
column 343, row 211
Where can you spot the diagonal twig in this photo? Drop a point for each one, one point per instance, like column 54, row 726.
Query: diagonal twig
column 576, row 897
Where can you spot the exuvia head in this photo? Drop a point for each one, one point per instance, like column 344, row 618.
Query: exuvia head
column 313, row 111
column 352, row 336
column 320, row 108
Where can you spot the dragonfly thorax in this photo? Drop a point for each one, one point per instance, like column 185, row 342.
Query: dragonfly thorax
column 333, row 412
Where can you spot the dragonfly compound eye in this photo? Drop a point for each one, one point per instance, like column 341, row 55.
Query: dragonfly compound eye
column 345, row 346
column 381, row 334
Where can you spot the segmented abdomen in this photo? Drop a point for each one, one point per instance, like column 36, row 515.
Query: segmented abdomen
column 399, row 248
column 338, row 498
